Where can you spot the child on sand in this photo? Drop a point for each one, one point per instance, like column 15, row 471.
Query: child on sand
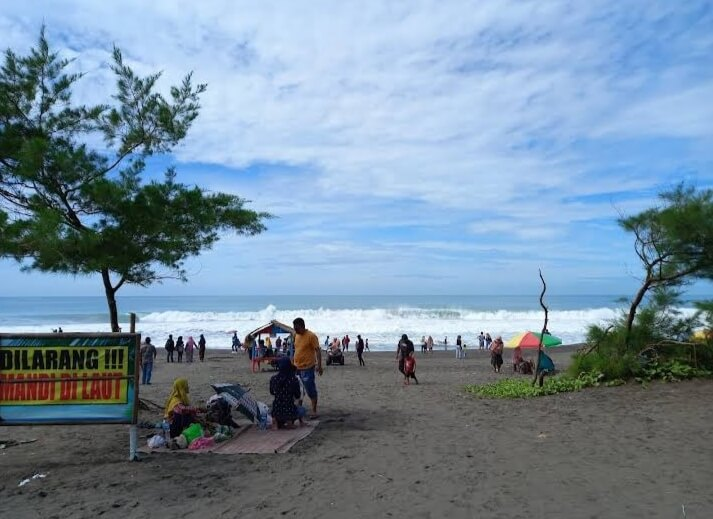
column 410, row 369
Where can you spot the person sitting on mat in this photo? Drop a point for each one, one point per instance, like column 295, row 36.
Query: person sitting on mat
column 179, row 413
column 286, row 389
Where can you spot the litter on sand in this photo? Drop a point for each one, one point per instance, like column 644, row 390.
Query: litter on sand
column 27, row 480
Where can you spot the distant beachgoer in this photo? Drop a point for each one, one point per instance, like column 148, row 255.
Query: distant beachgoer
column 201, row 348
column 366, row 345
column 235, row 346
column 170, row 346
column 249, row 344
column 445, row 344
column 360, row 350
column 307, row 359
column 148, row 354
column 488, row 341
column 496, row 354
column 429, row 343
column 190, row 344
column 459, row 347
column 286, row 389
column 424, row 347
column 403, row 349
column 410, row 368
column 180, row 347
column 326, row 343
column 481, row 341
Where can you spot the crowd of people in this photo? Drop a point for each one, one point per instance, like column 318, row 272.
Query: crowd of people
column 148, row 353
column 298, row 361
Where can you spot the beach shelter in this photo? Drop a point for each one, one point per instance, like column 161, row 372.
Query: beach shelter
column 272, row 329
column 532, row 340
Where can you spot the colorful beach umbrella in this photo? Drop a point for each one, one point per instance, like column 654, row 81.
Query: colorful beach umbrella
column 532, row 340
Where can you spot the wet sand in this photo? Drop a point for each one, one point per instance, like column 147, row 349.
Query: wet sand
column 385, row 450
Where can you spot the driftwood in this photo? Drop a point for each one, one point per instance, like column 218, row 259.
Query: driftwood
column 544, row 329
column 148, row 405
column 12, row 443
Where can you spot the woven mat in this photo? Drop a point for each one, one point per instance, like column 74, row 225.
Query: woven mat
column 251, row 440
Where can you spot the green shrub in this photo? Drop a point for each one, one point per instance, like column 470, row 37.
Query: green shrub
column 523, row 388
column 612, row 366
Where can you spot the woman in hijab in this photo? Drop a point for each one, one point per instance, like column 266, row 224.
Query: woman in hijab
column 190, row 344
column 286, row 389
column 178, row 412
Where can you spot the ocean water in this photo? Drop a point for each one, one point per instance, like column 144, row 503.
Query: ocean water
column 381, row 319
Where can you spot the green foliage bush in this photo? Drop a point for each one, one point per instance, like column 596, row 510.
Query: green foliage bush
column 523, row 388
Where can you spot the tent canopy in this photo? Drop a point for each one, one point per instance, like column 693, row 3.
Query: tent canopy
column 273, row 328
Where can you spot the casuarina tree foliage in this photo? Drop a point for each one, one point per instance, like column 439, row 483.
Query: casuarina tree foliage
column 674, row 242
column 72, row 200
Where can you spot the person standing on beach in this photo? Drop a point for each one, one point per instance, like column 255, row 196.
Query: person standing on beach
column 496, row 354
column 179, row 348
column 481, row 341
column 366, row 345
column 445, row 343
column 201, row 348
column 403, row 349
column 235, row 343
column 423, row 344
column 488, row 340
column 148, row 354
column 169, row 348
column 410, row 369
column 459, row 347
column 429, row 343
column 308, row 356
column 190, row 344
column 360, row 350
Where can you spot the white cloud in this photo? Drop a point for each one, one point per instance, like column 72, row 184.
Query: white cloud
column 458, row 117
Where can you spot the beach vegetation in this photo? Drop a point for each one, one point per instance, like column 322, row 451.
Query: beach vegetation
column 653, row 338
column 72, row 196
column 523, row 388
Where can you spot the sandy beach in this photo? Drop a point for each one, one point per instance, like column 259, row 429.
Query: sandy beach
column 385, row 450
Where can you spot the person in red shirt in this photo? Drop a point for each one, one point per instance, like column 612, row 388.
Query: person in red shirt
column 410, row 368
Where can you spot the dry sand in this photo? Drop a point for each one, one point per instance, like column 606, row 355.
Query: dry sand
column 385, row 450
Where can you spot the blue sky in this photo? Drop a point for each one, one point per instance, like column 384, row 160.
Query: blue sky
column 414, row 147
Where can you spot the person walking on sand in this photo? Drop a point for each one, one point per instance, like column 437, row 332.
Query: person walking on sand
column 201, row 348
column 481, row 341
column 148, row 354
column 429, row 344
column 180, row 347
column 307, row 359
column 403, row 349
column 170, row 346
column 190, row 344
column 360, row 350
column 459, row 347
column 488, row 340
column 410, row 369
column 235, row 345
column 366, row 345
column 496, row 354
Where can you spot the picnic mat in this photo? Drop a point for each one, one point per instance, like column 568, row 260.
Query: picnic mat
column 251, row 440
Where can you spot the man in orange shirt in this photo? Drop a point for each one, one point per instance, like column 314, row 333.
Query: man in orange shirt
column 307, row 356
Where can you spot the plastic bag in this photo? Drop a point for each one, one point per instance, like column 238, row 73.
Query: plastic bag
column 201, row 443
column 192, row 432
column 156, row 442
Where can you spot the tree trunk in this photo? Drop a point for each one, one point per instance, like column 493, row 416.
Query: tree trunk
column 110, row 291
column 634, row 306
